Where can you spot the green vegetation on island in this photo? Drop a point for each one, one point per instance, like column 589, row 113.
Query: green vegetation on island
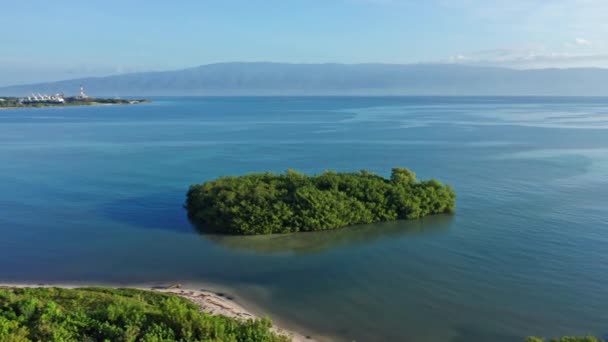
column 267, row 203
column 566, row 339
column 100, row 314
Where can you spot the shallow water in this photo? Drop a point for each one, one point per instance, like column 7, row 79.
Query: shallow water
column 95, row 194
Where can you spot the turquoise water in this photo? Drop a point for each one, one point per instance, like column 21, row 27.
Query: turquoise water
column 95, row 194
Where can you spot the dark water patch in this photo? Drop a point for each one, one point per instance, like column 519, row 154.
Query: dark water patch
column 153, row 211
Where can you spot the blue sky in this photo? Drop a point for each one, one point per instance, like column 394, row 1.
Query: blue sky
column 66, row 39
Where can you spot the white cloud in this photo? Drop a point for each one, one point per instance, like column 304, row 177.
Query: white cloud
column 582, row 42
column 529, row 58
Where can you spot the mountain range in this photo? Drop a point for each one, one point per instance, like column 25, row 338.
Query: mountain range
column 335, row 79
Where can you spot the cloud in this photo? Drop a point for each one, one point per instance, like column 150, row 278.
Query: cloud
column 528, row 58
column 582, row 42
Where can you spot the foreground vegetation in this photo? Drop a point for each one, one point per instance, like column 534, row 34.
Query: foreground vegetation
column 267, row 203
column 100, row 314
column 566, row 339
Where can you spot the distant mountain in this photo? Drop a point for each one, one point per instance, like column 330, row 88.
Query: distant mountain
column 335, row 79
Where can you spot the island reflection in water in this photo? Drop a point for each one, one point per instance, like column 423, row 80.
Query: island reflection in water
column 314, row 242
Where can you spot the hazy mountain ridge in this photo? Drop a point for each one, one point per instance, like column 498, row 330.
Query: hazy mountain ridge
column 336, row 79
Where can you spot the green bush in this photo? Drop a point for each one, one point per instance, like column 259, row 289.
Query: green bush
column 266, row 203
column 99, row 314
column 566, row 339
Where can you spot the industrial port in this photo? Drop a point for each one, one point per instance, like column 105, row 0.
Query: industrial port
column 52, row 99
column 59, row 100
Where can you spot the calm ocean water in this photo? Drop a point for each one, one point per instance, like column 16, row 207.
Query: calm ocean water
column 95, row 195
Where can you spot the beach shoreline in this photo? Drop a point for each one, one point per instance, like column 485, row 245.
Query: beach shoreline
column 213, row 303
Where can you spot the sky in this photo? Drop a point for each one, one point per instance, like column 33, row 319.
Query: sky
column 45, row 41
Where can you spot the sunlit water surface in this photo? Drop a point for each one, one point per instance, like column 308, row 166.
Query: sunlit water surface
column 95, row 194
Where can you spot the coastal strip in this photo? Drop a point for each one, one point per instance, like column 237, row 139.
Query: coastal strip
column 101, row 102
column 60, row 100
column 209, row 302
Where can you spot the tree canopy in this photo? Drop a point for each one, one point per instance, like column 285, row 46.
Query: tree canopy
column 99, row 314
column 267, row 203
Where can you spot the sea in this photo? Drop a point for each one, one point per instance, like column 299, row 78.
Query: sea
column 94, row 195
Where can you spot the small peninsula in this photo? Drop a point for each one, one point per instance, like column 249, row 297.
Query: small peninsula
column 14, row 102
column 59, row 100
column 267, row 203
column 169, row 314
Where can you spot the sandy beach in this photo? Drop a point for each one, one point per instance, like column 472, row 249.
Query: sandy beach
column 215, row 304
column 210, row 302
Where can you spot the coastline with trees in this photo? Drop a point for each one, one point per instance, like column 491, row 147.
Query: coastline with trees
column 69, row 313
column 170, row 314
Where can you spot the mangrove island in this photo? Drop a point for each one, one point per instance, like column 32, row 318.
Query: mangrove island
column 267, row 203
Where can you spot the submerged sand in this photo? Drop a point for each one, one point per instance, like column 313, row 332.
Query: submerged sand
column 209, row 302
